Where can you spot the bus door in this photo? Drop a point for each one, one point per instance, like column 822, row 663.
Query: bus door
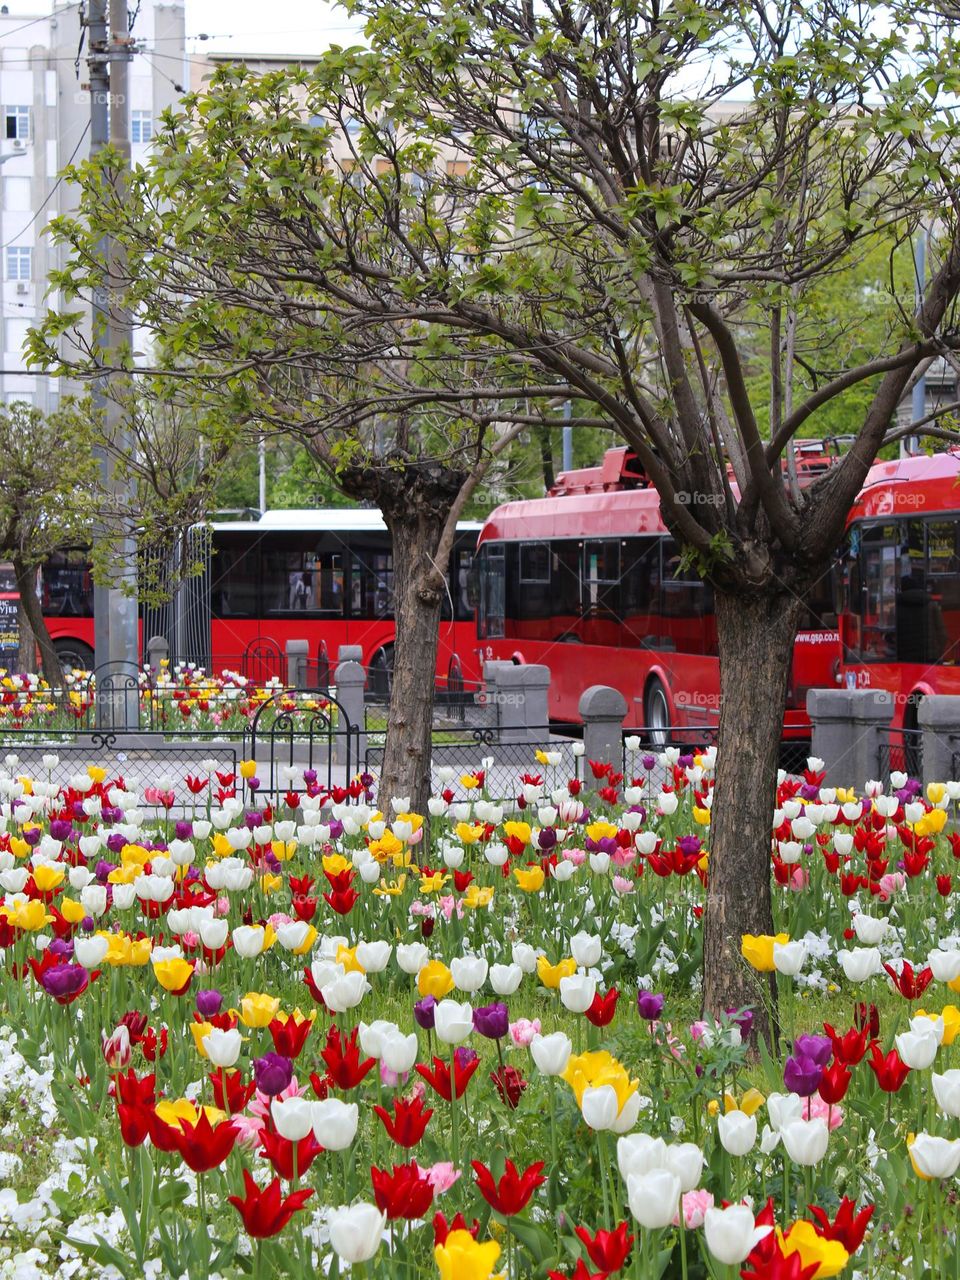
column 491, row 594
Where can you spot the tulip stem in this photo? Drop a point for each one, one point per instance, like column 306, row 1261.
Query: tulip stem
column 683, row 1242
column 604, row 1181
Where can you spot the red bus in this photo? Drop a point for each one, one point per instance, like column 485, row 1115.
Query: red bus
column 321, row 576
column 589, row 582
column 900, row 607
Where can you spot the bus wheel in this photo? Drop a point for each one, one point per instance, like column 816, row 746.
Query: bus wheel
column 380, row 673
column 74, row 654
column 656, row 707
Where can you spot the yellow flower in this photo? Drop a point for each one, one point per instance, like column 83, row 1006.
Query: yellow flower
column 469, row 781
column 199, row 1030
column 125, row 951
column 388, row 846
column 802, row 1238
column 71, row 910
column 477, row 897
column 126, row 874
column 305, row 945
column 460, row 1257
column 702, row 816
column 258, row 1010
column 750, row 1103
column 757, row 950
column 846, row 795
column 591, row 1070
column 248, row 769
column 173, row 974
column 529, row 879
column 468, row 833
column 601, row 831
column 96, row 773
column 347, row 956
column 270, row 883
column 433, row 883
column 936, row 791
column 135, row 853
column 550, row 974
column 435, row 979
column 175, row 1112
column 283, row 850
column 391, row 888
column 48, row 875
column 336, row 864
column 932, row 823
column 518, row 831
column 19, row 847
column 30, row 915
column 415, row 820
column 950, row 1015
column 221, row 845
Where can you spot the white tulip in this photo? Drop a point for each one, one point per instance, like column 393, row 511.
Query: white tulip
column 789, row 957
column 869, row 929
column 946, row 1090
column 551, row 1053
column 640, row 1154
column 654, row 1198
column 577, row 992
column 469, row 972
column 737, row 1132
column 374, row 956
column 945, row 965
column 685, row 1159
column 732, row 1233
column 356, row 1231
column 399, row 1052
column 223, row 1048
column 805, row 1141
column 505, row 978
column 860, row 964
column 452, row 1021
column 936, row 1157
column 335, row 1123
column 586, row 949
column 918, row 1048
column 412, row 956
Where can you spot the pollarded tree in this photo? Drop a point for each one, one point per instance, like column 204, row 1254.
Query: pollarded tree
column 507, row 201
column 49, row 495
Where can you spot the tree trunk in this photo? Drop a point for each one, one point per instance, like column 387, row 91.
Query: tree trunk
column 756, row 638
column 30, row 604
column 417, row 606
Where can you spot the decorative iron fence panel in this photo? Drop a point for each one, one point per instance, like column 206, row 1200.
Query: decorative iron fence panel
column 294, row 732
column 902, row 753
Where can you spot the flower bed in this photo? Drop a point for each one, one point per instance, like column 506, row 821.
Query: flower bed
column 271, row 1042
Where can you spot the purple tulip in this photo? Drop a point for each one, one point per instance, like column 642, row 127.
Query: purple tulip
column 649, row 1005
column 273, row 1073
column 423, row 1012
column 116, row 842
column 60, row 829
column 817, row 1048
column 689, row 845
column 309, row 776
column 183, row 830
column 547, row 838
column 492, row 1020
column 209, row 1002
column 32, row 835
column 649, row 762
column 88, row 924
column 801, row 1075
column 336, row 829
column 253, row 819
column 62, row 947
column 742, row 1018
column 64, row 980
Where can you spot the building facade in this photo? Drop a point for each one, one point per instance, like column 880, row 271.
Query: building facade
column 45, row 103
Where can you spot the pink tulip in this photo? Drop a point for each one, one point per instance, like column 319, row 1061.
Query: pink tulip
column 695, row 1206
column 622, row 885
column 891, row 883
column 441, row 1175
column 577, row 856
column 523, row 1030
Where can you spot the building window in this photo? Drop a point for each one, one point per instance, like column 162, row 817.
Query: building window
column 19, row 263
column 16, row 122
column 141, row 126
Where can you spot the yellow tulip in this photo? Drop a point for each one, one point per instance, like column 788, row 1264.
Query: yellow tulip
column 306, row 944
column 221, row 845
column 469, row 781
column 176, row 1111
column 750, row 1103
column 702, row 816
column 258, row 1010
column 936, row 791
column 390, row 888
column 30, row 916
column 388, row 846
column 414, row 819
column 529, row 879
column 830, row 1255
column 48, row 875
column 435, row 979
column 517, row 831
column 347, row 956
column 271, row 883
column 598, row 831
column 198, row 1030
column 135, row 853
column 757, row 950
column 932, row 823
column 592, row 1070
column 126, row 874
column 96, row 773
column 433, row 883
column 19, row 847
column 550, row 974
column 336, row 864
column 477, row 897
column 460, row 1257
column 283, row 850
column 71, row 910
column 468, row 833
column 248, row 769
column 173, row 975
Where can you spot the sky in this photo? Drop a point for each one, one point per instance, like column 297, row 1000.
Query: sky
column 238, row 26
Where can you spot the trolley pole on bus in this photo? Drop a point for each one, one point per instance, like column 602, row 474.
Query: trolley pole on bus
column 110, row 50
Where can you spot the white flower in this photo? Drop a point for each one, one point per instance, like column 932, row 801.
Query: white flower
column 654, row 1198
column 788, row 958
column 452, row 1021
column 946, row 1089
column 551, row 1053
column 586, row 949
column 335, row 1123
column 293, row 1117
column 731, row 1233
column 860, row 964
column 356, row 1231
column 505, row 978
column 918, row 1048
column 869, row 929
column 805, row 1141
column 577, row 992
column 936, row 1157
column 737, row 1132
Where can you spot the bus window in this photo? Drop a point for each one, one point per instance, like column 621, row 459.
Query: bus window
column 493, row 577
column 234, row 578
column 462, row 571
column 943, row 580
column 371, row 577
column 66, row 585
column 601, row 576
column 530, row 595
column 686, row 603
column 303, row 582
column 640, row 593
column 819, row 606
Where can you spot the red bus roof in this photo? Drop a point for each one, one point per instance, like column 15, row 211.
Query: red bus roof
column 618, row 513
column 910, row 486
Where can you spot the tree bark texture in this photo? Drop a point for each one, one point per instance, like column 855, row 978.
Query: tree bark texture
column 756, row 636
column 26, row 578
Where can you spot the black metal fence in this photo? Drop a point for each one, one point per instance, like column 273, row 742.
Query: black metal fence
column 298, row 734
column 902, row 752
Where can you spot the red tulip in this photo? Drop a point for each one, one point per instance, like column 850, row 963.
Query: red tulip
column 134, row 1123
column 442, row 1228
column 834, row 1083
column 344, row 1068
column 510, row 1085
column 603, row 1008
column 203, row 1145
column 845, row 1227
column 282, row 1153
column 342, row 901
column 512, row 1193
column 289, row 1037
column 580, row 1272
column 409, row 1120
column 237, row 1094
column 439, row 1077
column 265, row 1213
column 891, row 1071
column 405, row 1193
column 850, row 1047
column 911, row 986
column 944, row 886
column 607, row 1250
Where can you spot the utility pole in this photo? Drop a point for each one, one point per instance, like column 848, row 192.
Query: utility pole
column 567, row 436
column 115, row 611
column 918, row 406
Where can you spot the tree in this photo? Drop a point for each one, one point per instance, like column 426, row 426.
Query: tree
column 613, row 226
column 48, row 495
